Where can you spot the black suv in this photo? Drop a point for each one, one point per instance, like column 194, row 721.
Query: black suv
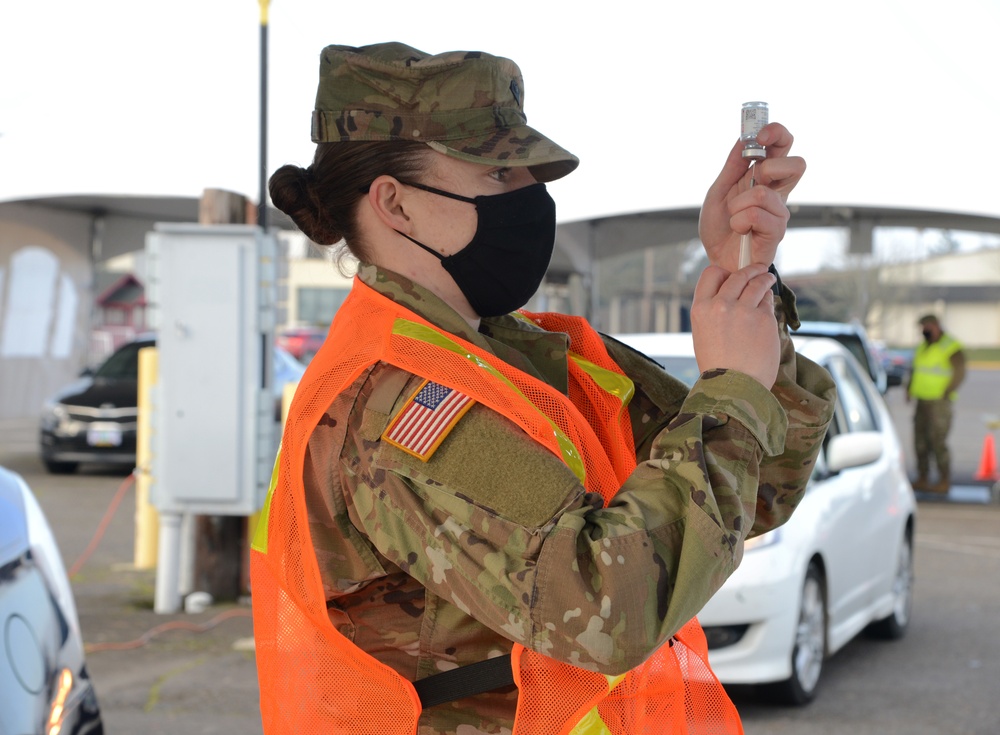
column 94, row 418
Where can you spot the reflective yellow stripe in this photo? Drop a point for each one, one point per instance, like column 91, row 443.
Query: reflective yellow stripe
column 259, row 542
column 613, row 681
column 618, row 385
column 591, row 723
column 412, row 330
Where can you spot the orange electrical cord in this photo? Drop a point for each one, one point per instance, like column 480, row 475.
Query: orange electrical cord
column 173, row 625
column 153, row 632
column 103, row 526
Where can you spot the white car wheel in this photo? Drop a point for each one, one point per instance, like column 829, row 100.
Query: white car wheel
column 809, row 649
column 894, row 626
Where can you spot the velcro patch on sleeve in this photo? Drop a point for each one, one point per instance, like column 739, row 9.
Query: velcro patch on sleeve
column 426, row 419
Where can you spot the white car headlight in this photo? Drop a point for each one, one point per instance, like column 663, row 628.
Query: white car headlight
column 53, row 414
column 763, row 541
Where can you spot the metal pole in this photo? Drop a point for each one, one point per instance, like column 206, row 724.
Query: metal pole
column 167, row 598
column 262, row 201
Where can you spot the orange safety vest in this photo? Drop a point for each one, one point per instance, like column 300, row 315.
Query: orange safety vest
column 314, row 680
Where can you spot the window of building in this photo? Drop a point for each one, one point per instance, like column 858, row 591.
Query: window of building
column 316, row 306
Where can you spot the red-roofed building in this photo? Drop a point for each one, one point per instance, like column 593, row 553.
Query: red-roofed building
column 120, row 314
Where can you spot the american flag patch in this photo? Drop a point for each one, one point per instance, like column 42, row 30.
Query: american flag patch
column 425, row 420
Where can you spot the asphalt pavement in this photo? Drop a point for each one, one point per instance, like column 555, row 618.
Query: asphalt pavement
column 195, row 673
column 154, row 674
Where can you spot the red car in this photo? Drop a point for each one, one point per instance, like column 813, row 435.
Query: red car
column 301, row 342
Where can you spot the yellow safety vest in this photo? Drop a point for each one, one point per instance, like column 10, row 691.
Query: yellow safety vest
column 932, row 370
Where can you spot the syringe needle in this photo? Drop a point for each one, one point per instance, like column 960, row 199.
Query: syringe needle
column 745, row 237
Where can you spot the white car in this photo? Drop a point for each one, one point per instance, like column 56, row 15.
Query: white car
column 843, row 563
column 44, row 685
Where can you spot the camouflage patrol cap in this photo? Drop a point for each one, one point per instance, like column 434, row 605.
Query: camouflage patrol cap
column 464, row 104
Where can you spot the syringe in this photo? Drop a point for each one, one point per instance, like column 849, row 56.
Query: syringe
column 753, row 118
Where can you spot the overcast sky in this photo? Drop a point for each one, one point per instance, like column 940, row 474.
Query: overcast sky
column 891, row 102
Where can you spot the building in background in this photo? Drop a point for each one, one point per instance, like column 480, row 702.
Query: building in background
column 72, row 275
column 962, row 288
column 119, row 314
column 314, row 286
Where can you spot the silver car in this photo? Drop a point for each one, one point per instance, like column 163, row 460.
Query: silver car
column 44, row 685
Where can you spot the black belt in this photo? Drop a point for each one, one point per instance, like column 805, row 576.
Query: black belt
column 465, row 681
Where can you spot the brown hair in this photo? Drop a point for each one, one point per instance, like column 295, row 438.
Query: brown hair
column 323, row 198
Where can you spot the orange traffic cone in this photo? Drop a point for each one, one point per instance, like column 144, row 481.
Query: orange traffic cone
column 988, row 463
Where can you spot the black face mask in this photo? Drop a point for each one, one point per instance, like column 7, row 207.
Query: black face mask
column 504, row 263
column 928, row 334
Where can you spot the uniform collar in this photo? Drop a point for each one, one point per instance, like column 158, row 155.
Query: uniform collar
column 515, row 341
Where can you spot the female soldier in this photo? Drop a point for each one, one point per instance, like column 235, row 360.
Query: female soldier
column 469, row 498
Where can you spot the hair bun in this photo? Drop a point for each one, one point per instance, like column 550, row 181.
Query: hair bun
column 291, row 189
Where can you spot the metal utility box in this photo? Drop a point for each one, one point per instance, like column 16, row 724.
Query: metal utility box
column 211, row 295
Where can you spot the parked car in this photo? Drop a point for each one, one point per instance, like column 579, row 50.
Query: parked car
column 855, row 338
column 842, row 564
column 44, row 685
column 94, row 418
column 897, row 364
column 301, row 342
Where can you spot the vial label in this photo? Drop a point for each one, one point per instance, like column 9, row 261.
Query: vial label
column 754, row 117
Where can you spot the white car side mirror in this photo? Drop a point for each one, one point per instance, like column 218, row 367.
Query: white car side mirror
column 853, row 450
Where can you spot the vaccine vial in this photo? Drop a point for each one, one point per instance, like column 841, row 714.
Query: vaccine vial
column 753, row 118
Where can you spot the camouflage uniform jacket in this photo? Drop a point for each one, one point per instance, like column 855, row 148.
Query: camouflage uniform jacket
column 432, row 565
